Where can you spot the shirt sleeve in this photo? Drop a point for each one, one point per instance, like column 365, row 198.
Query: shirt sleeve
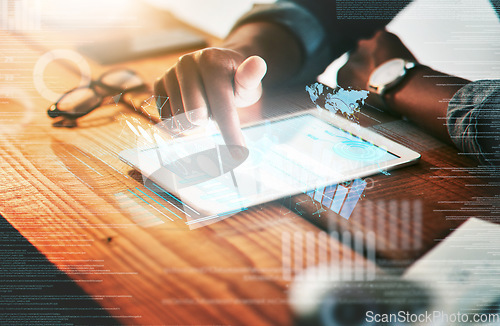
column 473, row 120
column 324, row 30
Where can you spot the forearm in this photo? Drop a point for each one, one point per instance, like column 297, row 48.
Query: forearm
column 423, row 98
column 276, row 45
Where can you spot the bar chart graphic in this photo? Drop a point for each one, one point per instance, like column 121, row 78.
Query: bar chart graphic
column 339, row 198
column 303, row 252
column 393, row 225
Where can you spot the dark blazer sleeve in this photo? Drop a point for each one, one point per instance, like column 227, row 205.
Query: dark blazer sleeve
column 326, row 29
column 473, row 120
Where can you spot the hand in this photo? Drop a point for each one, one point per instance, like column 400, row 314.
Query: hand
column 369, row 54
column 211, row 82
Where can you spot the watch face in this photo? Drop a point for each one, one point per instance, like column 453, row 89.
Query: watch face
column 388, row 73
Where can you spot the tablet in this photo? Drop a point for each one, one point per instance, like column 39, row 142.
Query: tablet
column 283, row 156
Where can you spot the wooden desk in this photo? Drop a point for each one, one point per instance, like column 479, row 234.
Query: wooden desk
column 69, row 195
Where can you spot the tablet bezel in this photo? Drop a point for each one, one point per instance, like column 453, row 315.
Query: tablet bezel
column 405, row 156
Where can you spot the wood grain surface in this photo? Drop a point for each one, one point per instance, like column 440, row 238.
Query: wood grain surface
column 66, row 191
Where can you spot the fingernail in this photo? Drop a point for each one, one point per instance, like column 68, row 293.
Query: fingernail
column 198, row 117
column 239, row 153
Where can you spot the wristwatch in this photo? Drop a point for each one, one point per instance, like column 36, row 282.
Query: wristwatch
column 388, row 75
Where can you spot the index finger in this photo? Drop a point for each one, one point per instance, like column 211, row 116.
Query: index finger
column 218, row 83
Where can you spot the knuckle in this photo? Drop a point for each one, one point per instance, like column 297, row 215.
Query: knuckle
column 185, row 60
column 168, row 71
column 158, row 86
column 215, row 58
column 171, row 77
column 363, row 43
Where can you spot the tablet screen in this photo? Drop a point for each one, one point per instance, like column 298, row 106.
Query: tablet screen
column 286, row 157
column 314, row 144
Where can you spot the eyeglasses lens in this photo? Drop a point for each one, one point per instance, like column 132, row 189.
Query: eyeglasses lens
column 122, row 79
column 79, row 102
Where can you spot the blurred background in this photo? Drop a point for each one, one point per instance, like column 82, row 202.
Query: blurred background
column 457, row 37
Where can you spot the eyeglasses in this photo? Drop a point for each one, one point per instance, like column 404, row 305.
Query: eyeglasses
column 83, row 100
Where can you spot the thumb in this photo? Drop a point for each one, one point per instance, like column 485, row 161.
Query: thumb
column 247, row 81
